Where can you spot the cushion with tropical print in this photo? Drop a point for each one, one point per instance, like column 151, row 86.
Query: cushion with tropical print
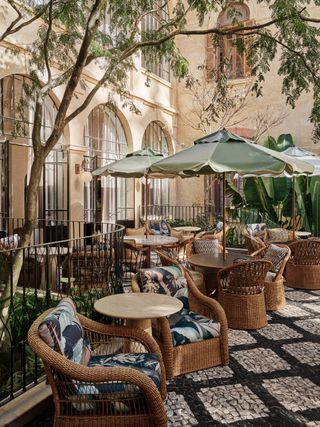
column 275, row 254
column 162, row 280
column 256, row 229
column 187, row 327
column 219, row 227
column 62, row 331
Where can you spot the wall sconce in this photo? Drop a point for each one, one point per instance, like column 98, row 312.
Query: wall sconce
column 83, row 170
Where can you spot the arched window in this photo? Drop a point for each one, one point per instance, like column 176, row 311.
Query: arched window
column 16, row 122
column 152, row 22
column 155, row 138
column 230, row 55
column 106, row 198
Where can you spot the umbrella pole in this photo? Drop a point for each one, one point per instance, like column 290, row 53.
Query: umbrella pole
column 147, row 205
column 224, row 215
column 293, row 209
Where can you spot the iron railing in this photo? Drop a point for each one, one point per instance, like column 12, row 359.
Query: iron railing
column 86, row 268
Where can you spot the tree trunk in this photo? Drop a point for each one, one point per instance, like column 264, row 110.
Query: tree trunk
column 27, row 229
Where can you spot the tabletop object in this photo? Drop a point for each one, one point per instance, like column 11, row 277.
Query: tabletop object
column 138, row 308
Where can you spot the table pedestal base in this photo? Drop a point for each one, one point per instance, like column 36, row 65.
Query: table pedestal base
column 144, row 324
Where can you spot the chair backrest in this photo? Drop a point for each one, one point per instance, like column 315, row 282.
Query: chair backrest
column 253, row 244
column 161, row 280
column 278, row 255
column 305, row 252
column 244, row 278
column 62, row 331
column 256, row 229
column 160, row 227
column 279, row 234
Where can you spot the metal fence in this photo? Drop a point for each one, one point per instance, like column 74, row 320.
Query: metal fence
column 86, row 268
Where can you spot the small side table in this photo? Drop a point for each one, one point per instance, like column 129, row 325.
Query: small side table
column 138, row 308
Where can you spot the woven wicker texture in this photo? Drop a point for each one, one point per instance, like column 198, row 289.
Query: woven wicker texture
column 194, row 356
column 240, row 292
column 253, row 243
column 274, row 289
column 303, row 268
column 139, row 403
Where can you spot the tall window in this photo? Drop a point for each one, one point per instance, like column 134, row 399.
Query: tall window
column 155, row 138
column 230, row 56
column 16, row 121
column 152, row 22
column 106, row 198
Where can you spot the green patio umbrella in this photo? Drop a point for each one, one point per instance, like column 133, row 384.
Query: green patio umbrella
column 222, row 152
column 134, row 165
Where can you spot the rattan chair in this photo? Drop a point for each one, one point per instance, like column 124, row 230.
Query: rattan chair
column 139, row 404
column 240, row 292
column 134, row 257
column 273, row 285
column 253, row 243
column 303, row 267
column 197, row 355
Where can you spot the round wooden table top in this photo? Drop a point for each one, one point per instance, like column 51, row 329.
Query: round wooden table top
column 152, row 240
column 138, row 305
column 216, row 261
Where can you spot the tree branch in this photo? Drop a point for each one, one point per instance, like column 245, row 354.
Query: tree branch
column 11, row 29
column 46, row 42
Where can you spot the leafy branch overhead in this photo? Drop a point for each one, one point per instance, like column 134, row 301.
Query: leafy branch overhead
column 111, row 32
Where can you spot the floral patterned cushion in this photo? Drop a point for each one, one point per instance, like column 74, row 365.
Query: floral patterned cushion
column 219, row 227
column 206, row 246
column 187, row 327
column 147, row 363
column 256, row 229
column 162, row 280
column 62, row 331
column 160, row 227
column 9, row 242
column 275, row 254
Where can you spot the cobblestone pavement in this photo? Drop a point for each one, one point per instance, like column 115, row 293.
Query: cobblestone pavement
column 272, row 379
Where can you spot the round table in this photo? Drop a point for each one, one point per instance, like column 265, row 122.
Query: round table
column 187, row 229
column 151, row 240
column 303, row 234
column 209, row 265
column 138, row 308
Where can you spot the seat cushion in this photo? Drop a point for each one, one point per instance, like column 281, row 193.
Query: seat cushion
column 135, row 231
column 270, row 276
column 187, row 327
column 161, row 280
column 206, row 246
column 61, row 330
column 256, row 229
column 275, row 254
column 9, row 242
column 160, row 227
column 146, row 363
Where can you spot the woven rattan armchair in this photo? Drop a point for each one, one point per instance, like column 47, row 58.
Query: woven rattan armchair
column 134, row 257
column 253, row 243
column 303, row 267
column 197, row 355
column 139, row 404
column 240, row 292
column 273, row 285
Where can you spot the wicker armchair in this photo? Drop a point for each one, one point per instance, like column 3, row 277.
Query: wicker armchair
column 129, row 397
column 191, row 357
column 303, row 267
column 134, row 257
column 240, row 292
column 253, row 243
column 273, row 285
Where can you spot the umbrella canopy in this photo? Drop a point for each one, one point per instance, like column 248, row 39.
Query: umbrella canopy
column 134, row 165
column 223, row 152
column 306, row 156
